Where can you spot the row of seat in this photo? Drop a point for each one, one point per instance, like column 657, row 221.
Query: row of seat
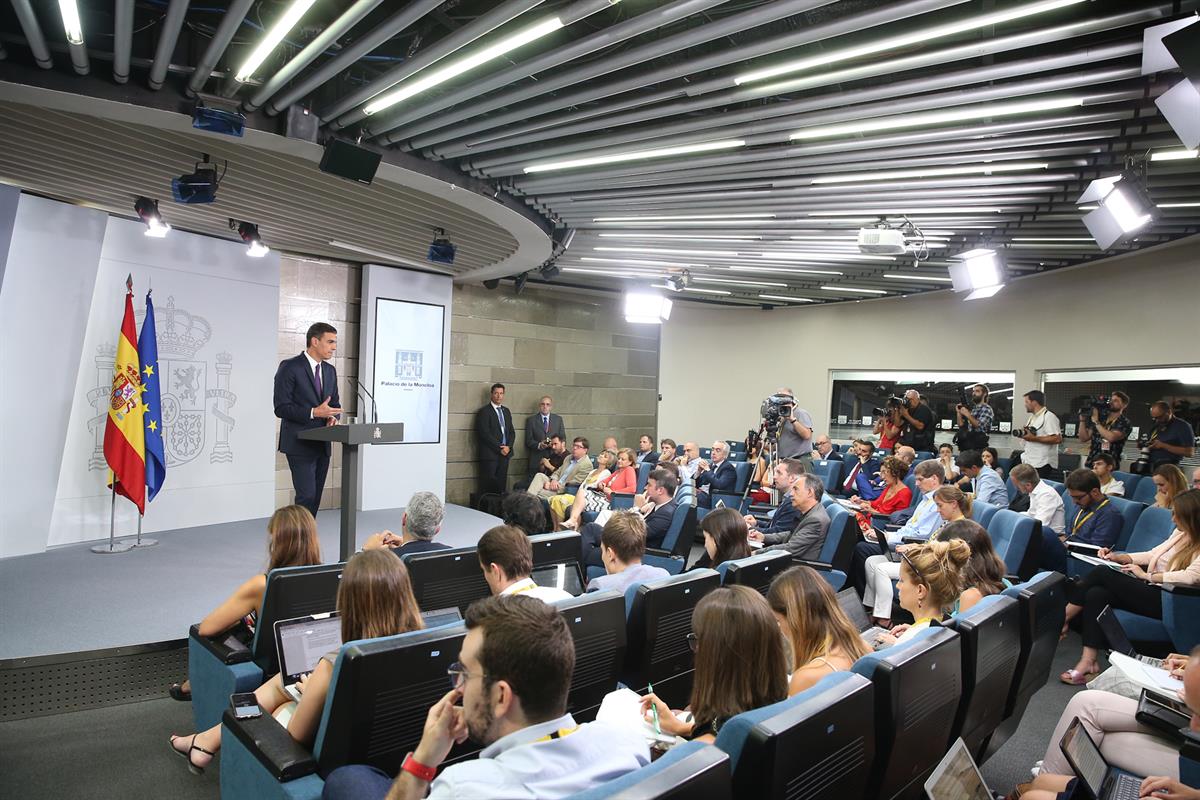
column 874, row 732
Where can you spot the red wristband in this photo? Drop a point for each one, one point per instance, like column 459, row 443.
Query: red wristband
column 417, row 769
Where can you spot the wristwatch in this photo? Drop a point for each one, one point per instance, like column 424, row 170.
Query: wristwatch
column 417, row 769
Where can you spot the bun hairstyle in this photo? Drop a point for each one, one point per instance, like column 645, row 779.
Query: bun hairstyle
column 941, row 567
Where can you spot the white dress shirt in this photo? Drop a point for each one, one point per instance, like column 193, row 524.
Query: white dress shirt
column 547, row 594
column 1046, row 505
column 1036, row 454
column 312, row 371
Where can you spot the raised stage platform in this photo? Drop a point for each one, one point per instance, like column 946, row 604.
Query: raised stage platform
column 69, row 599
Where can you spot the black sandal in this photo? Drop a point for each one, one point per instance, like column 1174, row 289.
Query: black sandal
column 177, row 693
column 193, row 768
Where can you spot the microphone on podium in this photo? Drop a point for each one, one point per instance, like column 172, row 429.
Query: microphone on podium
column 363, row 390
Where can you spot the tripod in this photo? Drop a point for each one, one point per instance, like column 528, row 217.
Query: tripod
column 767, row 437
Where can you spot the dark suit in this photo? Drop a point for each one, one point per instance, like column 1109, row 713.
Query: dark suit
column 296, row 396
column 785, row 517
column 862, row 477
column 493, row 467
column 719, row 478
column 658, row 522
column 536, row 431
column 648, row 458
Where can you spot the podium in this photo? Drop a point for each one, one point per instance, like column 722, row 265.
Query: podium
column 351, row 437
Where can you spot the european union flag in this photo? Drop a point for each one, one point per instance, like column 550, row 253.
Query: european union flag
column 156, row 461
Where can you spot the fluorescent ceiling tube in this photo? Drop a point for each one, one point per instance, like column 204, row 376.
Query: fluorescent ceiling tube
column 903, row 212
column 784, row 255
column 920, row 35
column 705, row 291
column 896, row 276
column 1174, row 155
column 985, row 168
column 609, row 273
column 852, row 289
column 683, row 217
column 433, row 77
column 791, row 270
column 787, row 299
column 641, row 262
column 666, row 251
column 1179, row 205
column 1053, row 239
column 636, row 155
column 929, row 118
column 650, row 309
column 70, row 20
column 737, row 283
column 689, row 237
column 274, row 36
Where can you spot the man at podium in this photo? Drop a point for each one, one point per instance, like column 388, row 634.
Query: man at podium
column 306, row 396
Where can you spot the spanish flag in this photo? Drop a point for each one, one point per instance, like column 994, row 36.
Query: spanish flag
column 124, row 436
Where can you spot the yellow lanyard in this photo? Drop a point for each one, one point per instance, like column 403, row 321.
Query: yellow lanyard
column 528, row 588
column 1075, row 526
column 558, row 734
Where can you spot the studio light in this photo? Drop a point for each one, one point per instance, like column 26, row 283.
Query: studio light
column 636, row 155
column 549, row 271
column 1169, row 46
column 249, row 233
column 979, row 272
column 1122, row 209
column 147, row 211
column 433, row 77
column 199, row 187
column 649, row 309
column 441, row 251
column 274, row 36
column 70, row 20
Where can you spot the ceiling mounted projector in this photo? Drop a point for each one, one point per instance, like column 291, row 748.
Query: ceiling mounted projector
column 881, row 241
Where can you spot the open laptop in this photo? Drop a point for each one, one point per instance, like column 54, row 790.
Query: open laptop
column 560, row 576
column 852, row 605
column 300, row 642
column 1098, row 780
column 957, row 777
column 1117, row 640
column 441, row 616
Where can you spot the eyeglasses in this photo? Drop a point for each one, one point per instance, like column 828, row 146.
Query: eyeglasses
column 459, row 675
column 693, row 642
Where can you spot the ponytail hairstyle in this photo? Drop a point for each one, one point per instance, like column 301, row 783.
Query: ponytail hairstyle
column 952, row 494
column 940, row 567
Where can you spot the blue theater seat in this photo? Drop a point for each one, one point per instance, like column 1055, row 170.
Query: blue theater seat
column 991, row 646
column 689, row 770
column 1130, row 481
column 820, row 743
column 745, row 470
column 829, row 470
column 983, row 512
column 918, row 686
column 1017, row 540
column 1144, row 492
column 757, row 571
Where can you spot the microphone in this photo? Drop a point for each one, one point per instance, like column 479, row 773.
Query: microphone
column 363, row 390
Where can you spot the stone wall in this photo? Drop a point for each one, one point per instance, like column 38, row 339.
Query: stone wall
column 601, row 371
column 318, row 291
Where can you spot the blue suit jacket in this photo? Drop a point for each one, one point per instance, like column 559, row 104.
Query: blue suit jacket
column 784, row 518
column 863, row 485
column 296, row 397
column 721, row 478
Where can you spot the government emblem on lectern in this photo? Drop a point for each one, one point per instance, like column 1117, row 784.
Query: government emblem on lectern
column 195, row 390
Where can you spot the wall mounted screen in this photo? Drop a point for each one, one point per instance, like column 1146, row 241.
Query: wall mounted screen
column 408, row 350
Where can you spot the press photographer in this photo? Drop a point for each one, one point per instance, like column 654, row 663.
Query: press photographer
column 975, row 421
column 1042, row 434
column 888, row 422
column 1169, row 440
column 1103, row 423
column 918, row 427
column 793, row 424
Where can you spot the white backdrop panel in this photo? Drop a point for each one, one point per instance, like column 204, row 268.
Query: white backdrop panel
column 391, row 473
column 216, row 314
column 408, row 367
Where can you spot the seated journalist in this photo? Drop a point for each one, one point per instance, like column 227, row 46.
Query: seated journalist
column 421, row 521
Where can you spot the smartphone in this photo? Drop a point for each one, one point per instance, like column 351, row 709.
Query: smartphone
column 245, row 705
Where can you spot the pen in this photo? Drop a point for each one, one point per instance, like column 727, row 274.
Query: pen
column 654, row 709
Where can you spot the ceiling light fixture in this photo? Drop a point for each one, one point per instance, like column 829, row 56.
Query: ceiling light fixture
column 433, row 77
column 1174, row 155
column 739, row 283
column 928, row 118
column 901, row 212
column 650, row 309
column 610, row 273
column 1123, row 208
column 679, row 236
column 684, row 217
column 985, row 168
column 274, row 36
column 70, row 20
column 1052, row 239
column 249, row 233
column 641, row 262
column 853, row 289
column 979, row 272
column 637, row 155
column 1179, row 205
column 787, row 270
column 898, row 277
column 787, row 299
column 666, row 251
column 785, row 255
column 706, row 291
column 920, row 35
column 147, row 211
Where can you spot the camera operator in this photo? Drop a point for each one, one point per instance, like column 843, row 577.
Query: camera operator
column 1170, row 439
column 1042, row 434
column 1106, row 435
column 889, row 423
column 974, row 423
column 796, row 430
column 918, row 426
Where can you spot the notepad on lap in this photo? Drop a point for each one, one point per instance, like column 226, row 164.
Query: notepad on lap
column 1144, row 675
column 1100, row 562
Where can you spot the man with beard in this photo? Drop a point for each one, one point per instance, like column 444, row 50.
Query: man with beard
column 512, row 679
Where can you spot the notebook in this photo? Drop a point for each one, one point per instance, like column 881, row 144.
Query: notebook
column 300, row 642
column 957, row 777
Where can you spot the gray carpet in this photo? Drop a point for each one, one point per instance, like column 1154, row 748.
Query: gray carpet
column 70, row 599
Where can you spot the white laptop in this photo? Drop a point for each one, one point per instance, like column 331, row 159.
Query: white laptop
column 957, row 777
column 300, row 643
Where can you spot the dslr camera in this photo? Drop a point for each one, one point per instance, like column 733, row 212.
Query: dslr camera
column 890, row 405
column 1142, row 465
column 964, row 396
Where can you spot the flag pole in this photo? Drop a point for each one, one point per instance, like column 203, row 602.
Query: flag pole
column 113, row 545
column 140, row 541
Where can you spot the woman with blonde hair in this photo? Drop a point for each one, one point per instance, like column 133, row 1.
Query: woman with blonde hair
column 560, row 504
column 821, row 636
column 374, row 599
column 1135, row 587
column 1170, row 482
column 291, row 542
column 931, row 579
column 739, row 663
column 598, row 497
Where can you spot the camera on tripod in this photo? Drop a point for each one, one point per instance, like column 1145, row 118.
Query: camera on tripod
column 774, row 410
column 889, row 405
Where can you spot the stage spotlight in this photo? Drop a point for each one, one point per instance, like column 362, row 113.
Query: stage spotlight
column 200, row 187
column 249, row 233
column 441, row 251
column 979, row 272
column 491, row 284
column 147, row 211
column 561, row 239
column 549, row 271
column 650, row 309
column 1122, row 208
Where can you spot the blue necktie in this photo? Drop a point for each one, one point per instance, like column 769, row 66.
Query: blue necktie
column 500, row 416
